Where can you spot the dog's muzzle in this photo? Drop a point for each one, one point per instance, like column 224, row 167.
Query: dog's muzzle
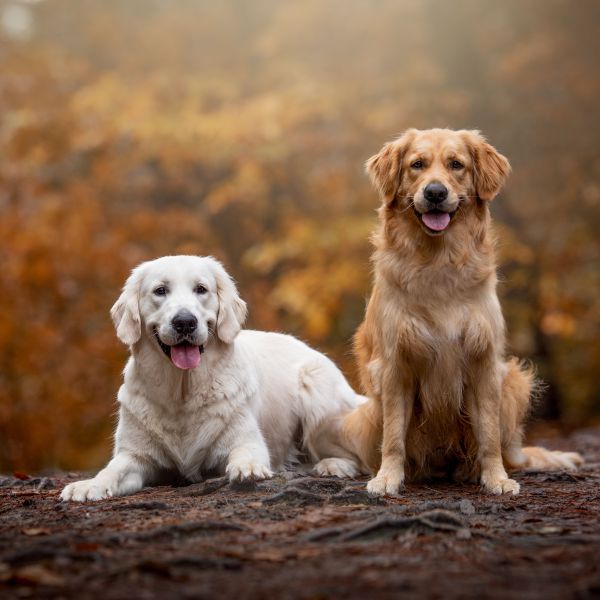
column 184, row 354
column 436, row 217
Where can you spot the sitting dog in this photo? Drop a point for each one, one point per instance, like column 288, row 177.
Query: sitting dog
column 431, row 349
column 199, row 396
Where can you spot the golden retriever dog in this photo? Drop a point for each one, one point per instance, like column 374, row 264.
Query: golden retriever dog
column 202, row 396
column 444, row 398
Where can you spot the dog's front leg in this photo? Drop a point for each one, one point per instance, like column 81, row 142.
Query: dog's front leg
column 124, row 474
column 397, row 400
column 249, row 456
column 483, row 398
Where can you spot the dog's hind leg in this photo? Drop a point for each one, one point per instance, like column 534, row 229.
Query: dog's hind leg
column 362, row 430
column 325, row 398
column 335, row 458
column 337, row 467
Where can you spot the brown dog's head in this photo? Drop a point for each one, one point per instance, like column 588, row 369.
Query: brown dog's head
column 429, row 175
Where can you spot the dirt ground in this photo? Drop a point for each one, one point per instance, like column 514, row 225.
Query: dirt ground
column 299, row 536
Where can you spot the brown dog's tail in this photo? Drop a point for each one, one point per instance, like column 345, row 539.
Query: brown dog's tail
column 541, row 459
column 519, row 389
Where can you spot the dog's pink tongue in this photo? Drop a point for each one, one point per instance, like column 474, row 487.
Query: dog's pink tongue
column 436, row 221
column 185, row 356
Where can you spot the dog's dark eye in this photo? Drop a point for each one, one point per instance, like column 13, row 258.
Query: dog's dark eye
column 418, row 164
column 200, row 289
column 160, row 291
column 456, row 165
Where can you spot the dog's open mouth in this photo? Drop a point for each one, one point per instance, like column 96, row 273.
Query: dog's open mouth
column 435, row 220
column 183, row 355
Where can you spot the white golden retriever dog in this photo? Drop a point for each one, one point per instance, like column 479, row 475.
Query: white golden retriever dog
column 199, row 396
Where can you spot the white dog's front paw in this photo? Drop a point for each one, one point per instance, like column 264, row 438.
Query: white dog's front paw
column 89, row 489
column 500, row 485
column 385, row 483
column 247, row 471
column 336, row 467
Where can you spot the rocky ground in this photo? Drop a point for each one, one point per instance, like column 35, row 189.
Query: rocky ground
column 299, row 536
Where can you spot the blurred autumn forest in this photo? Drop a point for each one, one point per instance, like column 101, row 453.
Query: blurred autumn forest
column 134, row 129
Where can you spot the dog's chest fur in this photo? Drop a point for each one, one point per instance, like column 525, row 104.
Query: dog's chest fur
column 185, row 427
column 440, row 342
column 437, row 354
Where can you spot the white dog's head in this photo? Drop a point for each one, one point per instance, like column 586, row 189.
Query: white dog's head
column 178, row 302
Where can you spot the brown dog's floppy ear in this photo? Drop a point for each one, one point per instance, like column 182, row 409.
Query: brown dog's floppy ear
column 232, row 309
column 385, row 168
column 125, row 312
column 490, row 168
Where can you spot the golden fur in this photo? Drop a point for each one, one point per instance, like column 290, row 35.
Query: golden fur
column 431, row 349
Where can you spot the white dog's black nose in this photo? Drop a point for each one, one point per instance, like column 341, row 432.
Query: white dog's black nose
column 435, row 192
column 184, row 322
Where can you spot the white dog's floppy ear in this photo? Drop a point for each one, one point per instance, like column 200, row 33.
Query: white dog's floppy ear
column 125, row 312
column 232, row 309
column 490, row 168
column 385, row 168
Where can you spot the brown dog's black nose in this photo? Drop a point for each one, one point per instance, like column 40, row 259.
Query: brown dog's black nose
column 184, row 322
column 435, row 192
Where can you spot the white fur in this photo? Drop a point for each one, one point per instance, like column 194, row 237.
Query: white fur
column 241, row 411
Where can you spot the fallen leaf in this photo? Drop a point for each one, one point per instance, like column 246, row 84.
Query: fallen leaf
column 86, row 547
column 549, row 530
column 309, row 552
column 270, row 555
column 21, row 476
column 36, row 531
column 38, row 574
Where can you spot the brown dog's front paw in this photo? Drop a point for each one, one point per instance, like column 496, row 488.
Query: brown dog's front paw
column 500, row 486
column 384, row 484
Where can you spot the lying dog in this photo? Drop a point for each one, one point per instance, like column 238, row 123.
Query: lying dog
column 201, row 397
column 431, row 349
